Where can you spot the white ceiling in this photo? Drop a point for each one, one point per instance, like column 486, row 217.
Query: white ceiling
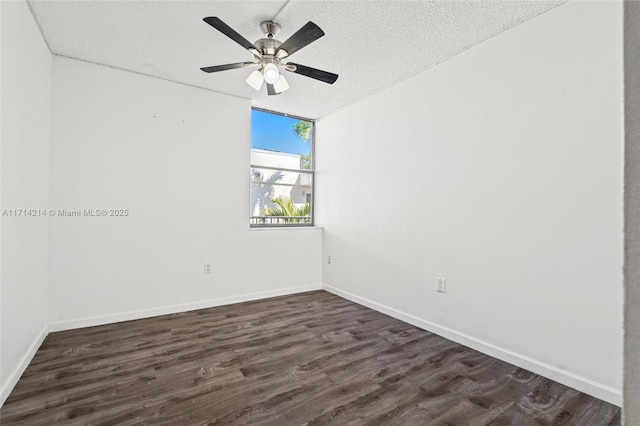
column 370, row 44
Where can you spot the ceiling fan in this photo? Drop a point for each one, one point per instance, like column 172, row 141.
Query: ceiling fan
column 269, row 54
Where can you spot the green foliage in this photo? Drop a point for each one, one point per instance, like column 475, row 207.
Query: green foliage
column 305, row 161
column 303, row 130
column 287, row 208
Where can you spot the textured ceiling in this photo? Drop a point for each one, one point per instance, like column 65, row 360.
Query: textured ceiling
column 370, row 44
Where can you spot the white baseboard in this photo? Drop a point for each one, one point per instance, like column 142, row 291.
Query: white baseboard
column 172, row 309
column 583, row 384
column 15, row 375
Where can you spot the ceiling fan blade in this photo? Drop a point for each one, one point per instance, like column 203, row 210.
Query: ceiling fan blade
column 325, row 76
column 271, row 90
column 225, row 67
column 309, row 33
column 217, row 23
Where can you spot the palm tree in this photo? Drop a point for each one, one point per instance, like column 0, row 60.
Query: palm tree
column 285, row 207
column 303, row 129
column 262, row 190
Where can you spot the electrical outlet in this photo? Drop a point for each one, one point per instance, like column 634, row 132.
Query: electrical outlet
column 207, row 268
column 329, row 260
column 441, row 285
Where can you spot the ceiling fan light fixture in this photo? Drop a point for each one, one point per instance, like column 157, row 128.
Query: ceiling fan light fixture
column 270, row 73
column 255, row 80
column 281, row 85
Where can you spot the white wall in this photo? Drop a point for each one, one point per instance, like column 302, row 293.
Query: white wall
column 632, row 218
column 177, row 158
column 500, row 170
column 26, row 122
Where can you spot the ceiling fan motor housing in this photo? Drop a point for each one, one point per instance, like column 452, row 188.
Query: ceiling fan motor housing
column 267, row 46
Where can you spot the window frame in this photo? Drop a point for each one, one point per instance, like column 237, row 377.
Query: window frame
column 311, row 172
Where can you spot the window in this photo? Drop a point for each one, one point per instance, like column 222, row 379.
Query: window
column 282, row 171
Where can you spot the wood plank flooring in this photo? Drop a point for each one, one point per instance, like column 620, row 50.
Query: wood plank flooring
column 306, row 359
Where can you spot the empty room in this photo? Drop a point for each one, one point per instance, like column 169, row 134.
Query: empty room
column 320, row 213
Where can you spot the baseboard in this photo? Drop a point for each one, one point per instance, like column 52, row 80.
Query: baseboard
column 583, row 384
column 15, row 375
column 172, row 309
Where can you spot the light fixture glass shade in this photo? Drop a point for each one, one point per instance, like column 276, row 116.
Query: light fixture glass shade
column 270, row 73
column 281, row 85
column 255, row 80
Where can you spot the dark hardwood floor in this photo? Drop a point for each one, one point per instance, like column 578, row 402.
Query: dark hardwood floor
column 307, row 359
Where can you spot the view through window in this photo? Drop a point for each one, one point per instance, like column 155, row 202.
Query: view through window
column 281, row 189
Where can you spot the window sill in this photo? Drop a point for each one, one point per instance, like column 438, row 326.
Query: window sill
column 284, row 228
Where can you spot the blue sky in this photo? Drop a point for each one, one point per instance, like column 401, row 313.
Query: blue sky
column 275, row 132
